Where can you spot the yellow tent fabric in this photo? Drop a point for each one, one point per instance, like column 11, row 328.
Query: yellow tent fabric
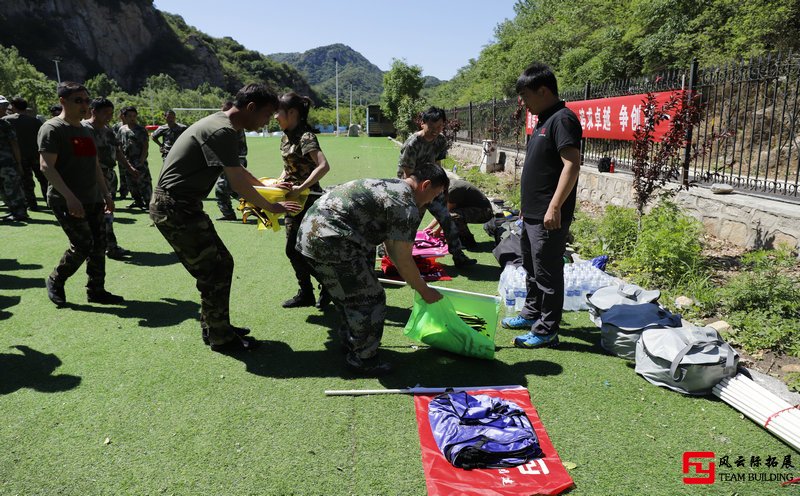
column 272, row 194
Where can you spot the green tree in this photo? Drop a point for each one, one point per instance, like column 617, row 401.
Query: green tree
column 102, row 85
column 18, row 77
column 401, row 81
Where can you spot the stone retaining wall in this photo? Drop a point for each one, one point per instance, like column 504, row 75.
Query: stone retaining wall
column 744, row 220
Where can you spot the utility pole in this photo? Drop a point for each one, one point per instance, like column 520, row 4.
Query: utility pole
column 351, row 106
column 336, row 61
column 58, row 73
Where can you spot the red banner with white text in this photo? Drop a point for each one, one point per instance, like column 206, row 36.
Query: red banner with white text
column 613, row 118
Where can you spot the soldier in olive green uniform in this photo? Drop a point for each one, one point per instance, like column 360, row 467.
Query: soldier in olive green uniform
column 338, row 237
column 11, row 174
column 77, row 194
column 304, row 165
column 427, row 148
column 222, row 190
column 168, row 133
column 134, row 143
column 108, row 152
column 208, row 148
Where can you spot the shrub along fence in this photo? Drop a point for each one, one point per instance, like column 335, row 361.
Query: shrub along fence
column 748, row 137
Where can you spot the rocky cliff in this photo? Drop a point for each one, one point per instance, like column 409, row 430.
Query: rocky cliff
column 128, row 40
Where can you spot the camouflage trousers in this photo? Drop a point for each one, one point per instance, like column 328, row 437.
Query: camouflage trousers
column 470, row 215
column 438, row 208
column 302, row 271
column 201, row 251
column 360, row 300
column 30, row 169
column 11, row 188
column 123, row 182
column 87, row 242
column 224, row 193
column 111, row 183
column 141, row 188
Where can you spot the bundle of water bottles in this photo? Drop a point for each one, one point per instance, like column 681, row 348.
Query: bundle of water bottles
column 513, row 288
column 580, row 279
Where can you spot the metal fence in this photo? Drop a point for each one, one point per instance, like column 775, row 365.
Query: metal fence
column 749, row 136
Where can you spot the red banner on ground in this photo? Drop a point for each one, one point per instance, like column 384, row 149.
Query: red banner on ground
column 544, row 475
column 612, row 118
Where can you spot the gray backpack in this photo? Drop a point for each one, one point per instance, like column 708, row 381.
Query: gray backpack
column 622, row 325
column 617, row 294
column 690, row 360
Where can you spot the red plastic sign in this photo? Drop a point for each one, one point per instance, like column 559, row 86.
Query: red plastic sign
column 612, row 118
column 544, row 475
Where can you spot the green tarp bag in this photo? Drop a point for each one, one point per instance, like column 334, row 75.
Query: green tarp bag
column 438, row 325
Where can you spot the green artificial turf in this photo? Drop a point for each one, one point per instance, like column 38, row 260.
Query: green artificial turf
column 127, row 400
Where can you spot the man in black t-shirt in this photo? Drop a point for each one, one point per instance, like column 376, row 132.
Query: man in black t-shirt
column 549, row 184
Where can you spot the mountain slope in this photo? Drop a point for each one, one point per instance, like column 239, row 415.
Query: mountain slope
column 319, row 67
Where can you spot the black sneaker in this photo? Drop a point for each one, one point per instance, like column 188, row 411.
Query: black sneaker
column 104, row 297
column 239, row 331
column 303, row 298
column 460, row 259
column 323, row 300
column 56, row 293
column 369, row 367
column 231, row 217
column 468, row 241
column 137, row 204
column 236, row 345
column 117, row 253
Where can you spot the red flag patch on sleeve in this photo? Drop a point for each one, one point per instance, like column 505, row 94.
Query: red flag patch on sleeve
column 83, row 146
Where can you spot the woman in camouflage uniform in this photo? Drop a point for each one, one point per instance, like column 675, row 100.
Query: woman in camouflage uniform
column 304, row 165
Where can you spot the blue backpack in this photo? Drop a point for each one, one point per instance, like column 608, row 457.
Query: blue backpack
column 482, row 431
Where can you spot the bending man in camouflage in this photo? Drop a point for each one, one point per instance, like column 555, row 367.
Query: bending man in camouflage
column 338, row 238
column 134, row 142
column 426, row 148
column 168, row 133
column 208, row 148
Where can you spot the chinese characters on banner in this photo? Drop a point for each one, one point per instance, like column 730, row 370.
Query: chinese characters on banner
column 612, row 118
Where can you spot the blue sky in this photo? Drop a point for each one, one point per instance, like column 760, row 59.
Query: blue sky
column 438, row 35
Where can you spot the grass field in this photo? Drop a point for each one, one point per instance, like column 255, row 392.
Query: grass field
column 99, row 400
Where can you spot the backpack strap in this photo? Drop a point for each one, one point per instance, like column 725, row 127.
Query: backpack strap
column 707, row 337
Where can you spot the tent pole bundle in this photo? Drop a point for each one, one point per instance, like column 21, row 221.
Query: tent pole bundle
column 413, row 390
column 763, row 407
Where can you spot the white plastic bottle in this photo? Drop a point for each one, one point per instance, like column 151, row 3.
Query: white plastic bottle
column 520, row 288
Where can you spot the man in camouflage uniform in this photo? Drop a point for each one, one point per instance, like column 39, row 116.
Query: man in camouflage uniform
column 108, row 153
column 222, row 190
column 338, row 238
column 134, row 142
column 168, row 133
column 11, row 174
column 206, row 149
column 428, row 148
column 77, row 194
column 27, row 127
column 123, row 170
